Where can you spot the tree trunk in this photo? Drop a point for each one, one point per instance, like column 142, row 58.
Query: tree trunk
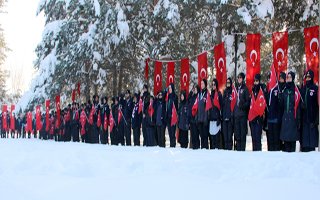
column 114, row 81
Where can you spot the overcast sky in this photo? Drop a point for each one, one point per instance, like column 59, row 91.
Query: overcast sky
column 23, row 30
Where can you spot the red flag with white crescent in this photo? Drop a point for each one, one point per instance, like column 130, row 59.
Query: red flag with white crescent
column 38, row 118
column 174, row 115
column 280, row 51
column 157, row 77
column 119, row 115
column 78, row 89
column 99, row 120
column 170, row 73
column 273, row 82
column 140, row 105
column 93, row 110
column 252, row 58
column 12, row 119
column 252, row 114
column 220, row 63
column 83, row 120
column 150, row 109
column 202, row 67
column 234, row 97
column 29, row 122
column 47, row 104
column 185, row 75
column 105, row 122
column 4, row 117
column 58, row 109
column 195, row 107
column 73, row 95
column 208, row 101
column 216, row 102
column 260, row 103
column 311, row 46
column 297, row 97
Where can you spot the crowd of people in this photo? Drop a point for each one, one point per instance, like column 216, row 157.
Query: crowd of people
column 220, row 127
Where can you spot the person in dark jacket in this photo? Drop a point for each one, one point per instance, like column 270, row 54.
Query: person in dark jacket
column 150, row 123
column 127, row 112
column 215, row 116
column 172, row 100
column 122, row 121
column 257, row 123
column 145, row 99
column 67, row 127
column 114, row 135
column 275, row 112
column 74, row 122
column 202, row 116
column 227, row 116
column 310, row 114
column 18, row 123
column 291, row 119
column 183, row 123
column 94, row 127
column 241, row 114
column 136, row 120
column 160, row 113
column 193, row 95
column 104, row 113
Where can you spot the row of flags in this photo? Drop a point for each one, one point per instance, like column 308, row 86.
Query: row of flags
column 253, row 60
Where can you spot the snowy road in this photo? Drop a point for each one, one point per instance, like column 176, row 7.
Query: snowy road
column 33, row 169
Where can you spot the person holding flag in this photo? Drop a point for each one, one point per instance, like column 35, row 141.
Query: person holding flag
column 310, row 114
column 114, row 133
column 127, row 112
column 183, row 123
column 241, row 109
column 74, row 122
column 172, row 99
column 104, row 115
column 257, row 108
column 227, row 114
column 215, row 117
column 160, row 112
column 192, row 111
column 145, row 100
column 136, row 120
column 204, row 102
column 290, row 126
column 150, row 124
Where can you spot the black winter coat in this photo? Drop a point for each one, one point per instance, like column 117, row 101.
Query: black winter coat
column 183, row 122
column 243, row 102
column 226, row 105
column 214, row 112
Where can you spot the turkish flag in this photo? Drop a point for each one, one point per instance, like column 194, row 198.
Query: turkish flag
column 280, row 51
column 273, row 82
column 234, row 97
column 78, row 89
column 150, row 109
column 47, row 114
column 83, row 120
column 140, row 105
column 252, row 114
column 170, row 73
column 99, row 120
column 157, row 77
column 12, row 119
column 202, row 67
column 58, row 110
column 111, row 122
column 73, row 96
column 253, row 58
column 146, row 69
column 4, row 117
column 260, row 103
column 119, row 115
column 208, row 101
column 311, row 46
column 174, row 115
column 105, row 122
column 185, row 75
column 91, row 115
column 216, row 102
column 29, row 122
column 195, row 107
column 38, row 118
column 220, row 63
column 297, row 97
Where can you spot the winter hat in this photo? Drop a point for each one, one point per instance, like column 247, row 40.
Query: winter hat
column 293, row 75
column 242, row 75
column 282, row 75
column 145, row 86
column 310, row 73
column 257, row 77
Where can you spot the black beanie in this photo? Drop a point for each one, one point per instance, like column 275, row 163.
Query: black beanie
column 205, row 82
column 293, row 75
column 257, row 77
column 282, row 75
column 241, row 74
column 310, row 73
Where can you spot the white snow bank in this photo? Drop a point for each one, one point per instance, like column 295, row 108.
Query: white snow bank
column 33, row 169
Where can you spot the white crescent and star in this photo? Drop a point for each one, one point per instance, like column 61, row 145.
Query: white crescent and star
column 185, row 79
column 170, row 79
column 221, row 61
column 253, row 52
column 158, row 79
column 314, row 40
column 203, row 70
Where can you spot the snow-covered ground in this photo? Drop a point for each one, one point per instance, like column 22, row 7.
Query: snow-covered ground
column 34, row 169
